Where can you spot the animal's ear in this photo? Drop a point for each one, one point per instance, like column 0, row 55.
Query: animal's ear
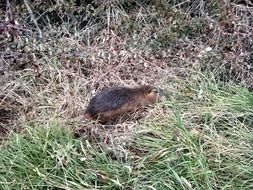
column 157, row 90
column 154, row 90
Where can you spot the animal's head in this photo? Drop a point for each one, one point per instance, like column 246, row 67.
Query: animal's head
column 152, row 94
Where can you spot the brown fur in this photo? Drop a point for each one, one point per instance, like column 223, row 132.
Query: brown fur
column 111, row 103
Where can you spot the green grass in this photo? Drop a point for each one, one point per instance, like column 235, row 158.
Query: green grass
column 165, row 153
column 51, row 157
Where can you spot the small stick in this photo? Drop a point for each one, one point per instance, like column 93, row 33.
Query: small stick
column 33, row 18
column 5, row 7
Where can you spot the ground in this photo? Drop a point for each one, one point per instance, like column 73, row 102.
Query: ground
column 56, row 55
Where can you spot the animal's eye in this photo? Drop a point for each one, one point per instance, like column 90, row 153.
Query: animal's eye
column 150, row 90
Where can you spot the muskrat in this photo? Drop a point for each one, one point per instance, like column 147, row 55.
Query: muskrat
column 111, row 103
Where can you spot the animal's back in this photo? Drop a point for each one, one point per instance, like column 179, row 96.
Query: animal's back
column 112, row 102
column 109, row 99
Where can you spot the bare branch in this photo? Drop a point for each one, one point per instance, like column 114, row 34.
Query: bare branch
column 33, row 18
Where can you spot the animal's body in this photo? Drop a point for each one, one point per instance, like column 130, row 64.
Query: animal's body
column 111, row 103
